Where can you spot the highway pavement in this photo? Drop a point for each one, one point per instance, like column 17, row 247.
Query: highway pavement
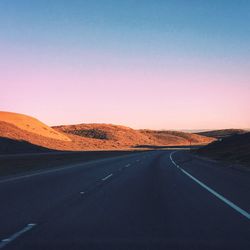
column 148, row 200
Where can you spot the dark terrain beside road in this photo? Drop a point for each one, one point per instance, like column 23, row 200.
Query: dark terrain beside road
column 234, row 148
column 20, row 163
column 222, row 133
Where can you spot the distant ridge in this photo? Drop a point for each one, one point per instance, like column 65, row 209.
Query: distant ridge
column 222, row 133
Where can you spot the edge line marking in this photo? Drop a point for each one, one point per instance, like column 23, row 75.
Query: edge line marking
column 212, row 191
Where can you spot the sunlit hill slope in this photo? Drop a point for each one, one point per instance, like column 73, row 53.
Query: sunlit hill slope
column 20, row 128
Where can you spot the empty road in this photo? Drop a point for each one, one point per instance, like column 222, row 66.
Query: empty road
column 152, row 200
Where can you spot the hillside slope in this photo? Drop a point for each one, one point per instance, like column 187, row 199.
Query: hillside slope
column 166, row 137
column 109, row 134
column 128, row 137
column 31, row 125
column 234, row 148
column 79, row 137
column 222, row 133
column 14, row 133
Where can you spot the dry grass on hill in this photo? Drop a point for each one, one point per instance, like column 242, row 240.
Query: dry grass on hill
column 85, row 136
column 172, row 138
column 31, row 125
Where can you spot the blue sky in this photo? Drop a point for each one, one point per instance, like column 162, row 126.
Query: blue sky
column 141, row 44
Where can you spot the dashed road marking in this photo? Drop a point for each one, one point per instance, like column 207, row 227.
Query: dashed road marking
column 107, row 177
column 6, row 241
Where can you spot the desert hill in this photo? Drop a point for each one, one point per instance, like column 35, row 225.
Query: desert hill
column 125, row 136
column 234, row 148
column 17, row 127
column 222, row 133
column 31, row 125
column 118, row 135
column 166, row 137
column 14, row 133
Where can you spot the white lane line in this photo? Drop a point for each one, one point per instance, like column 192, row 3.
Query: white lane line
column 128, row 165
column 105, row 178
column 212, row 191
column 82, row 193
column 5, row 242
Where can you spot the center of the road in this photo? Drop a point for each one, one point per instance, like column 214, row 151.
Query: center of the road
column 107, row 177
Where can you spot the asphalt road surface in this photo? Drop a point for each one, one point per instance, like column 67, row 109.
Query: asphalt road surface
column 152, row 200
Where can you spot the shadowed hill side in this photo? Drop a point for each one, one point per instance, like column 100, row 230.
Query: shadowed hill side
column 8, row 146
column 222, row 133
column 234, row 148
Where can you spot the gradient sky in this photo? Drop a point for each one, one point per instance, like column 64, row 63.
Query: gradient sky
column 157, row 64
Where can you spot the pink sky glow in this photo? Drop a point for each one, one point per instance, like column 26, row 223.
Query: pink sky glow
column 166, row 95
